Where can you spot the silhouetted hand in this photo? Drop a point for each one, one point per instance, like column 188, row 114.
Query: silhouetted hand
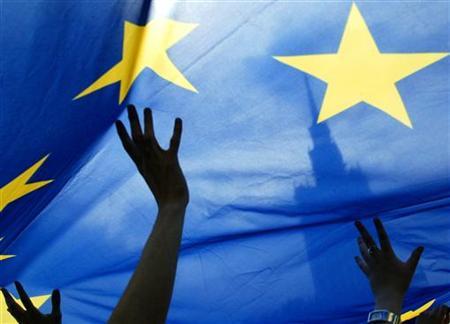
column 438, row 315
column 389, row 277
column 31, row 315
column 147, row 296
column 160, row 168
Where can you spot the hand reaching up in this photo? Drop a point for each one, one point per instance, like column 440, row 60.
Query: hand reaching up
column 31, row 315
column 147, row 296
column 389, row 277
column 160, row 168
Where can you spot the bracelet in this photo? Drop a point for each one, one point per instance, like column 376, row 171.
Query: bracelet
column 383, row 316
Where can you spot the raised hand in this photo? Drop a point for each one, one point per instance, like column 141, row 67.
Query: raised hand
column 147, row 296
column 389, row 277
column 438, row 315
column 31, row 315
column 160, row 168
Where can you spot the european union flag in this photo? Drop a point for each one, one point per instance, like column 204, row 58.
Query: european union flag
column 299, row 117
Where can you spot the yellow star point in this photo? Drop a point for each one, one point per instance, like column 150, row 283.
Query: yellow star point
column 146, row 47
column 409, row 315
column 358, row 72
column 6, row 318
column 4, row 257
column 20, row 187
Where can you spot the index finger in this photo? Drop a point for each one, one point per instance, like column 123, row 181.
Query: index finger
column 56, row 303
column 26, row 301
column 127, row 143
column 13, row 307
column 365, row 234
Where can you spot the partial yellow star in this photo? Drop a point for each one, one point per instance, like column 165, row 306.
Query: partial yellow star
column 19, row 187
column 409, row 315
column 358, row 72
column 4, row 257
column 146, row 47
column 6, row 318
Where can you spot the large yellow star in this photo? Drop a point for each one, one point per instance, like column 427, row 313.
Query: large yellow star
column 6, row 318
column 358, row 72
column 20, row 187
column 146, row 47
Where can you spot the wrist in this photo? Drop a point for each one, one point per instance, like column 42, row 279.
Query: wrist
column 172, row 207
column 379, row 316
column 170, row 217
column 172, row 202
column 392, row 303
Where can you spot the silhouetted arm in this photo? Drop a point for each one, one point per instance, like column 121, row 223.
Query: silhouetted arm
column 149, row 291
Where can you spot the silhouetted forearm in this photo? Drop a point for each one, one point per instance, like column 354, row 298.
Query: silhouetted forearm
column 148, row 294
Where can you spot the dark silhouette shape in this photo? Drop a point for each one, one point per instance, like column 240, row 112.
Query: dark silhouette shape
column 31, row 315
column 436, row 315
column 338, row 195
column 388, row 276
column 336, row 184
column 147, row 296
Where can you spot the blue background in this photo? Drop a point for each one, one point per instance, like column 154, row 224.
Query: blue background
column 268, row 235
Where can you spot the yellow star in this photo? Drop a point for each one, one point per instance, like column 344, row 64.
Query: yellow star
column 409, row 315
column 19, row 187
column 358, row 72
column 6, row 318
column 4, row 257
column 146, row 47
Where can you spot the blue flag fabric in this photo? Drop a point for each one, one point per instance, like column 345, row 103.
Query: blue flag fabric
column 268, row 236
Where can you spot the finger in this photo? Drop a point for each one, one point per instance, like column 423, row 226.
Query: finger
column 364, row 251
column 56, row 303
column 136, row 131
column 149, row 133
column 382, row 236
column 413, row 260
column 176, row 137
column 26, row 301
column 362, row 265
column 365, row 234
column 127, row 143
column 148, row 122
column 13, row 306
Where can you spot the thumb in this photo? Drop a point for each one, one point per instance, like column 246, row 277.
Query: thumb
column 56, row 303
